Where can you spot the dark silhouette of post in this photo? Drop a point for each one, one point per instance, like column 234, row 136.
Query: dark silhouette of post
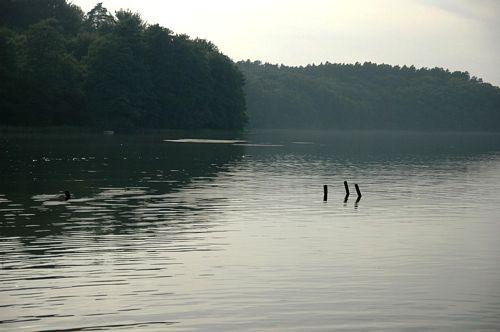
column 358, row 191
column 346, row 186
column 325, row 192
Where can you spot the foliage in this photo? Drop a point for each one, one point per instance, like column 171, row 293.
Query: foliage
column 368, row 96
column 61, row 67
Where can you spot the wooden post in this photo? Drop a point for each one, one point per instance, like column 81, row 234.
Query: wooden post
column 357, row 190
column 346, row 191
column 325, row 192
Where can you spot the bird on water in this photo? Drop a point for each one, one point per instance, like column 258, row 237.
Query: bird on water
column 65, row 197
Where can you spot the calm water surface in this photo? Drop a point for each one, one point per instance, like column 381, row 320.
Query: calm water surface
column 234, row 235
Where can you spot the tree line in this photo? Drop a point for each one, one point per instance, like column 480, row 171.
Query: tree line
column 60, row 66
column 368, row 96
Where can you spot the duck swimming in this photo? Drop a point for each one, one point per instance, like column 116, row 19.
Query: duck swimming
column 65, row 197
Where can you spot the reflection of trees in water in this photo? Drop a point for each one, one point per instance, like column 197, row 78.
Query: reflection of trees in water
column 375, row 156
column 119, row 184
column 123, row 184
column 365, row 148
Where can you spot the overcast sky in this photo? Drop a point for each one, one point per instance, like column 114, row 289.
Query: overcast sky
column 454, row 34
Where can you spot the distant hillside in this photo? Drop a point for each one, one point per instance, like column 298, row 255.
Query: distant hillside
column 368, row 96
column 59, row 66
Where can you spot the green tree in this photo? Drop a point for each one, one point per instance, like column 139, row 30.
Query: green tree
column 228, row 99
column 9, row 73
column 20, row 14
column 159, row 57
column 118, row 85
column 98, row 19
column 52, row 77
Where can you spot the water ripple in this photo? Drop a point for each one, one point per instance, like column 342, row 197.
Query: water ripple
column 236, row 236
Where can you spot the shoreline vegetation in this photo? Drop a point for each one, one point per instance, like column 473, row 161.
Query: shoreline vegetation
column 60, row 66
column 230, row 133
column 368, row 96
column 99, row 71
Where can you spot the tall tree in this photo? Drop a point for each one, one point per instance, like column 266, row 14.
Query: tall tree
column 118, row 85
column 52, row 77
column 9, row 72
column 20, row 14
column 98, row 19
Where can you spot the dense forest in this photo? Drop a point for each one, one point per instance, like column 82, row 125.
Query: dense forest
column 59, row 66
column 368, row 96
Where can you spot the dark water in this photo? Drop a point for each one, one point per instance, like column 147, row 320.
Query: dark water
column 227, row 236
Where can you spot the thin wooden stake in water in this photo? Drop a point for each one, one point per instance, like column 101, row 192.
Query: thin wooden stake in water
column 357, row 190
column 346, row 191
column 325, row 192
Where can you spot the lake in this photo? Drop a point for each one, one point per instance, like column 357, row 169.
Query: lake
column 208, row 231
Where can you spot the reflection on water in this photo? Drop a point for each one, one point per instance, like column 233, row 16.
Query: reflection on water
column 230, row 232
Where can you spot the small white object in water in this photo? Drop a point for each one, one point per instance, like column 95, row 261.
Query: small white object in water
column 205, row 141
column 260, row 144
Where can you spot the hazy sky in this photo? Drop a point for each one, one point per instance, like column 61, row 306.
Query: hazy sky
column 454, row 34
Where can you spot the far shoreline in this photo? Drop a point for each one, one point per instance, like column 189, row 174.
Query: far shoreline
column 77, row 130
